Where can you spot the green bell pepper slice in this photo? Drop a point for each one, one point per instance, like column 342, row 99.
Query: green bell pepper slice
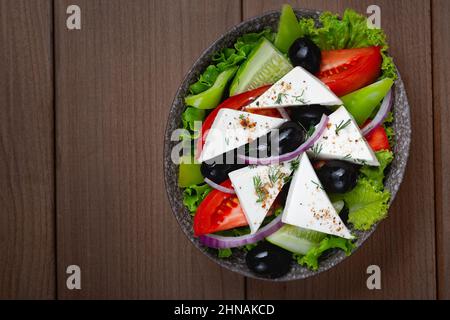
column 362, row 103
column 189, row 172
column 210, row 98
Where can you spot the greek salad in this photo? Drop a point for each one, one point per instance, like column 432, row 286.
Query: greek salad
column 295, row 139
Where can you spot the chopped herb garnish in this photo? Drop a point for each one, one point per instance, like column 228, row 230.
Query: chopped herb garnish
column 310, row 132
column 342, row 125
column 363, row 162
column 300, row 97
column 348, row 157
column 274, row 175
column 317, row 149
column 295, row 164
column 241, row 117
column 259, row 188
column 317, row 185
column 280, row 98
column 287, row 179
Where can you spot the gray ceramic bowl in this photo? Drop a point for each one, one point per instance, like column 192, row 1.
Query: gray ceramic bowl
column 236, row 263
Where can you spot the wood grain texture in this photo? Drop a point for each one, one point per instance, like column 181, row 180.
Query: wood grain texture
column 26, row 151
column 404, row 245
column 441, row 89
column 116, row 79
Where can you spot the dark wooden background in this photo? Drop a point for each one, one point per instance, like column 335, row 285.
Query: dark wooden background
column 82, row 116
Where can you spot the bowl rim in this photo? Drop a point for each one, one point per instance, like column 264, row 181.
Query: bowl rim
column 361, row 236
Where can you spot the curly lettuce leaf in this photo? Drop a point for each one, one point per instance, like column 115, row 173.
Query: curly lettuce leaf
column 224, row 253
column 352, row 31
column 376, row 174
column 311, row 259
column 194, row 195
column 228, row 58
column 190, row 115
column 390, row 134
column 367, row 205
column 390, row 129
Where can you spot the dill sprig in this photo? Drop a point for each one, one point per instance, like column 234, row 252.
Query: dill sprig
column 280, row 97
column 274, row 175
column 347, row 157
column 317, row 149
column 310, row 132
column 317, row 185
column 342, row 125
column 295, row 164
column 257, row 182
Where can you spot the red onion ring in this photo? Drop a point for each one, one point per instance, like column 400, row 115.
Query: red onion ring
column 220, row 242
column 381, row 114
column 216, row 186
column 291, row 155
column 284, row 113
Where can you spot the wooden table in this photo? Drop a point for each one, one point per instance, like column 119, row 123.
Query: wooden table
column 82, row 116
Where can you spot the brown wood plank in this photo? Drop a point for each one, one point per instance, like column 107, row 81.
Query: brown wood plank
column 404, row 245
column 26, row 151
column 441, row 88
column 116, row 81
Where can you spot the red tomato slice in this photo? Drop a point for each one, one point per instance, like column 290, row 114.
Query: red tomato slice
column 378, row 139
column 219, row 211
column 235, row 103
column 348, row 70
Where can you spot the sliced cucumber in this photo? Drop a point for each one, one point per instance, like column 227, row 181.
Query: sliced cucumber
column 265, row 65
column 288, row 29
column 295, row 239
column 300, row 240
column 338, row 206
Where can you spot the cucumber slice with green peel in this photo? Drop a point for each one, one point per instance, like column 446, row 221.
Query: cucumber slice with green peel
column 288, row 29
column 265, row 65
column 295, row 239
column 300, row 240
column 339, row 205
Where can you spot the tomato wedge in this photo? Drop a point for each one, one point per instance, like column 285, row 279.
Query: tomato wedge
column 348, row 70
column 235, row 103
column 219, row 211
column 378, row 139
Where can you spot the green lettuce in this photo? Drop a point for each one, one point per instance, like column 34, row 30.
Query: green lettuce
column 352, row 31
column 366, row 203
column 390, row 134
column 388, row 126
column 224, row 253
column 311, row 259
column 376, row 174
column 194, row 195
column 190, row 115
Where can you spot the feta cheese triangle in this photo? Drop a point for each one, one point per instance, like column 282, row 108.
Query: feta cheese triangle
column 343, row 140
column 297, row 88
column 257, row 188
column 308, row 206
column 232, row 129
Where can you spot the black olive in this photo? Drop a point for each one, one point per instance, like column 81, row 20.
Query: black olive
column 290, row 136
column 344, row 215
column 309, row 115
column 218, row 171
column 306, row 54
column 269, row 261
column 338, row 176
